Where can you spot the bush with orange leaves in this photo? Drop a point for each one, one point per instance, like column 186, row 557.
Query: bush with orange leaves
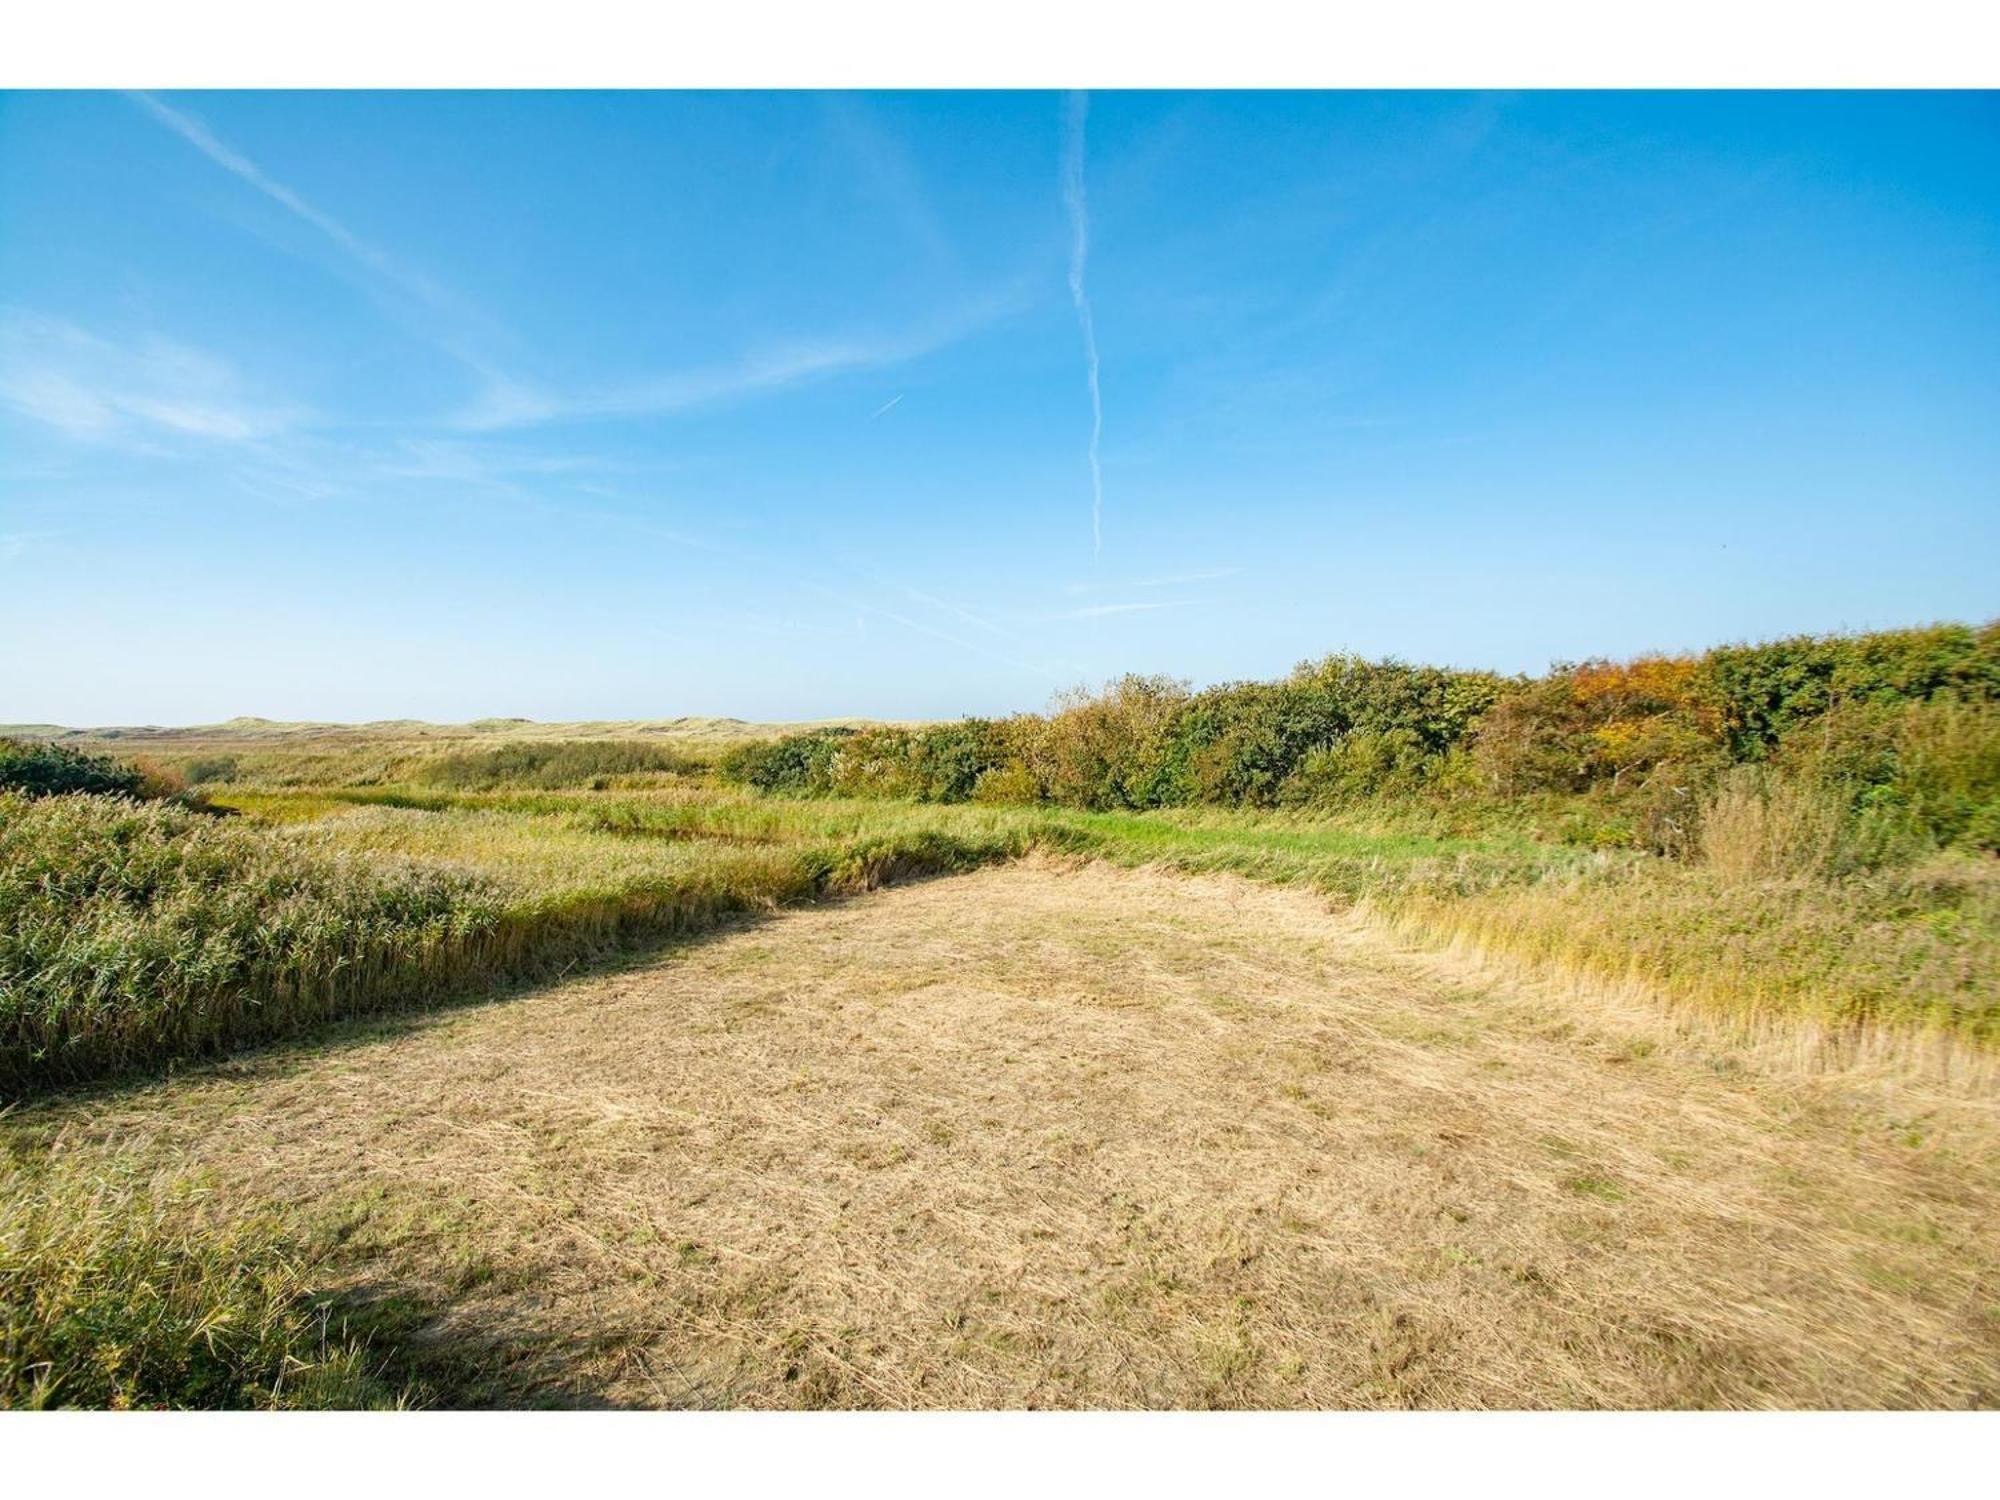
column 1600, row 722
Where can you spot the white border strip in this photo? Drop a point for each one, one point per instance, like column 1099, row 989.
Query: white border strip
column 1026, row 43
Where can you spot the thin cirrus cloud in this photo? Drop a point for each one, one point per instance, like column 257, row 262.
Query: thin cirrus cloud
column 1164, row 581
column 383, row 270
column 1079, row 257
column 94, row 389
column 1096, row 611
column 886, row 174
column 772, row 370
column 1175, row 580
column 198, row 135
column 506, row 400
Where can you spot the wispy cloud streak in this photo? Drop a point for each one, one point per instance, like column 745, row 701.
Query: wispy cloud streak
column 1173, row 580
column 1079, row 255
column 947, row 607
column 761, row 374
column 504, row 401
column 387, row 272
column 198, row 135
column 1095, row 611
column 1163, row 581
column 368, row 256
column 92, row 389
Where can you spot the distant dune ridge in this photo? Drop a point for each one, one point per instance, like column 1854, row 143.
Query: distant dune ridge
column 252, row 730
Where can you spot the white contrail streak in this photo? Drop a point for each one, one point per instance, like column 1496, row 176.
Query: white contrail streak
column 386, row 270
column 199, row 136
column 1079, row 253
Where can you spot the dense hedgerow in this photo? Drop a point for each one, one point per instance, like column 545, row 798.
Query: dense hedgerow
column 1764, row 693
column 1902, row 749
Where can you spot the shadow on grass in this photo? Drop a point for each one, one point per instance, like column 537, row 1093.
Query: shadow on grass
column 427, row 1354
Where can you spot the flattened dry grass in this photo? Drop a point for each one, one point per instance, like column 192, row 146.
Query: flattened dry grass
column 1904, row 960
column 1096, row 1137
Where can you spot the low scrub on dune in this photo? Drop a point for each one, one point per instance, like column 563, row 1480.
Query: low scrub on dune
column 1905, row 725
column 36, row 769
column 546, row 763
column 556, row 763
column 1804, row 827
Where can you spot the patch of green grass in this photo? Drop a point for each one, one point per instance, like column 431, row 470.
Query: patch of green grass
column 1589, row 1185
column 115, row 1294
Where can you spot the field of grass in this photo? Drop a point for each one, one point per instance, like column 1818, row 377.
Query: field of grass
column 1058, row 1133
column 140, row 935
column 296, row 890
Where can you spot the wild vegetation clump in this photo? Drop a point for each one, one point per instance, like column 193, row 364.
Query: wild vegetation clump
column 1894, row 737
column 114, row 1294
column 598, row 764
column 36, row 769
column 135, row 934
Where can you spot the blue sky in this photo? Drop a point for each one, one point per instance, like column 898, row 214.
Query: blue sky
column 632, row 405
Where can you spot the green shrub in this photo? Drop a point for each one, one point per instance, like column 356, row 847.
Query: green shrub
column 948, row 761
column 1104, row 750
column 1362, row 764
column 1982, row 829
column 796, row 765
column 1598, row 722
column 1244, row 744
column 1764, row 693
column 38, row 769
column 1008, row 784
column 214, row 769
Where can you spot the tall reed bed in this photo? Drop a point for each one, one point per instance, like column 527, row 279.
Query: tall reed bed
column 134, row 935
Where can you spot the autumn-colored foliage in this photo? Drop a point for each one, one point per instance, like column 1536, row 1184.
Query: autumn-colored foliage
column 1631, row 750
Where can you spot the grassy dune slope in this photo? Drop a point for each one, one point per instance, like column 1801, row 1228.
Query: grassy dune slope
column 268, row 733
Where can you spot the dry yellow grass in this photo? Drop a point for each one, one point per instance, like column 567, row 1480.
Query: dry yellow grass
column 1084, row 1137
